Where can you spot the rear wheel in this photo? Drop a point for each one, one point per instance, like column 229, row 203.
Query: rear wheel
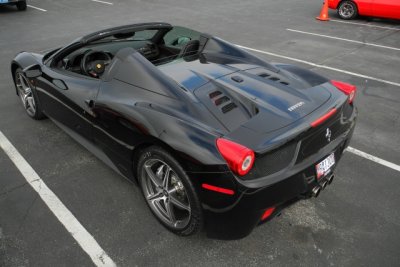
column 21, row 5
column 347, row 10
column 169, row 192
column 28, row 96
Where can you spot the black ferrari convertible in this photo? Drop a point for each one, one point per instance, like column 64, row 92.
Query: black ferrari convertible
column 214, row 136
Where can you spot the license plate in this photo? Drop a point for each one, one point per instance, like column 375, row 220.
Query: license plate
column 324, row 167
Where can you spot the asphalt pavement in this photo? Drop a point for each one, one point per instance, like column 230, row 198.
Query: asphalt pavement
column 354, row 222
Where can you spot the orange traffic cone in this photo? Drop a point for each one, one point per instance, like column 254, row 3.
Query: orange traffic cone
column 323, row 15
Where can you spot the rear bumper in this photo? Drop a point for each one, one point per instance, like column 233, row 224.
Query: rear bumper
column 234, row 217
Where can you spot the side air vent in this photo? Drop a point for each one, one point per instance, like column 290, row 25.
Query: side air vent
column 274, row 79
column 222, row 101
column 284, row 83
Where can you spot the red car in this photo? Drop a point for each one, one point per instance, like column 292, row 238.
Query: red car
column 349, row 9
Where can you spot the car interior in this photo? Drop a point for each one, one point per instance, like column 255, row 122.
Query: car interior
column 158, row 46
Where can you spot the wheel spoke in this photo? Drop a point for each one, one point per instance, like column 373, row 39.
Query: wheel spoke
column 26, row 95
column 176, row 202
column 31, row 102
column 155, row 197
column 166, row 177
column 24, row 100
column 152, row 176
column 170, row 211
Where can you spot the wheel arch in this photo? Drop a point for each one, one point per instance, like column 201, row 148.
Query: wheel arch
column 14, row 67
column 136, row 152
column 22, row 60
column 195, row 151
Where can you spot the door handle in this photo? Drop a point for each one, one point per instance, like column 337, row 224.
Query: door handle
column 89, row 103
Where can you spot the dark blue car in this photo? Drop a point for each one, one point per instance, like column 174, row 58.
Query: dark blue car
column 20, row 4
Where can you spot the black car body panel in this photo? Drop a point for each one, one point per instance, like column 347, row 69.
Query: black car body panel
column 185, row 104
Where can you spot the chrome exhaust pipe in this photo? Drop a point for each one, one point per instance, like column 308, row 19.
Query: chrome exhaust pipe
column 315, row 191
column 330, row 179
column 324, row 184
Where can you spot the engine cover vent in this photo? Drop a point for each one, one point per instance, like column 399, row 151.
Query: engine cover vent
column 272, row 78
column 223, row 102
column 228, row 107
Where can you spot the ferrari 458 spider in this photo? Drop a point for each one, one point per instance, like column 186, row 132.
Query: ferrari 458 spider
column 214, row 136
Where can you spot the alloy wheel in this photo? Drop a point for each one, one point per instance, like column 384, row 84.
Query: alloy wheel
column 165, row 193
column 346, row 10
column 25, row 93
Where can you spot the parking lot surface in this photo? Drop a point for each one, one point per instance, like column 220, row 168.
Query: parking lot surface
column 354, row 222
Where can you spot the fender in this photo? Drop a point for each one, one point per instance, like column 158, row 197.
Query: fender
column 23, row 60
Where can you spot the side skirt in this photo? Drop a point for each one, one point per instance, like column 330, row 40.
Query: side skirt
column 89, row 146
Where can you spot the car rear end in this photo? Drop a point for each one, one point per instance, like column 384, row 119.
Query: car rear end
column 289, row 164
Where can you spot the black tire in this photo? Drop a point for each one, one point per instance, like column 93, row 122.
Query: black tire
column 21, row 5
column 35, row 112
column 347, row 10
column 194, row 217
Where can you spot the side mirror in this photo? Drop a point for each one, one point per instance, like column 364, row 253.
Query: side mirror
column 33, row 71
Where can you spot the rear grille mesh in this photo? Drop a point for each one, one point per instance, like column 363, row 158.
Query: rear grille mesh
column 273, row 161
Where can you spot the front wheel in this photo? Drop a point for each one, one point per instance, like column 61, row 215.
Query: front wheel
column 347, row 10
column 169, row 192
column 21, row 5
column 27, row 95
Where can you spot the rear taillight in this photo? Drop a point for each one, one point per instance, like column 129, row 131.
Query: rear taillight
column 346, row 88
column 240, row 159
column 323, row 118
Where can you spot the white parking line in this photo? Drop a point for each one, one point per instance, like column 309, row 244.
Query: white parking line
column 346, row 40
column 78, row 232
column 367, row 25
column 373, row 158
column 321, row 66
column 103, row 2
column 38, row 8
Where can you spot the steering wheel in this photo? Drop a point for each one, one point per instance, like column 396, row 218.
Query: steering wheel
column 94, row 63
